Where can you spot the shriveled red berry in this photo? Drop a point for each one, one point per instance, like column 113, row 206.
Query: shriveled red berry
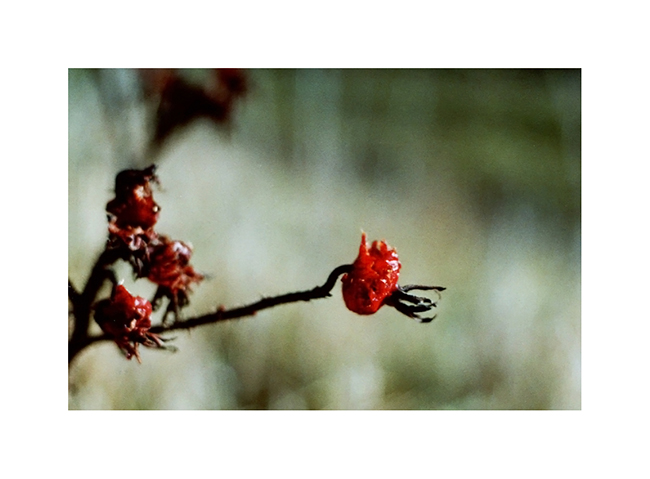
column 133, row 205
column 127, row 319
column 373, row 277
column 133, row 212
column 169, row 266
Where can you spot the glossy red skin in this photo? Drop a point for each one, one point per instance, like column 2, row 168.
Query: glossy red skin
column 373, row 277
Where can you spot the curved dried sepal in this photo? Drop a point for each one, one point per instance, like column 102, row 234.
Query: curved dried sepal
column 410, row 305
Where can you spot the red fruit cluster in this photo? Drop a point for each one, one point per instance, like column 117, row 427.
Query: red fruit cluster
column 127, row 320
column 373, row 277
column 133, row 214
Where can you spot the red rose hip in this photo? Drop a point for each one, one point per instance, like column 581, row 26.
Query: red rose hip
column 373, row 277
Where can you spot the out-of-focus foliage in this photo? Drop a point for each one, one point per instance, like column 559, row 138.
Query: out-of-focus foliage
column 472, row 175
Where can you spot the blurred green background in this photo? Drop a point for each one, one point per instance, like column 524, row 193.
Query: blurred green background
column 472, row 175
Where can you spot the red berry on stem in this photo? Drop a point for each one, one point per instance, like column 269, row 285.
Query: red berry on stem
column 373, row 277
column 127, row 319
column 133, row 205
column 133, row 212
column 170, row 266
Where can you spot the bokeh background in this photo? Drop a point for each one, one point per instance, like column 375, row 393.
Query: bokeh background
column 472, row 175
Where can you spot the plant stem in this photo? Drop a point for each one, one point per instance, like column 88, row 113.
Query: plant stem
column 81, row 341
column 82, row 302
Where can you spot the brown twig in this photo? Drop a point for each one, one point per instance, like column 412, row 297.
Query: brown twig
column 84, row 340
column 265, row 303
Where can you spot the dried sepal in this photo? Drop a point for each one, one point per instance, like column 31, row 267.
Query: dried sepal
column 412, row 305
